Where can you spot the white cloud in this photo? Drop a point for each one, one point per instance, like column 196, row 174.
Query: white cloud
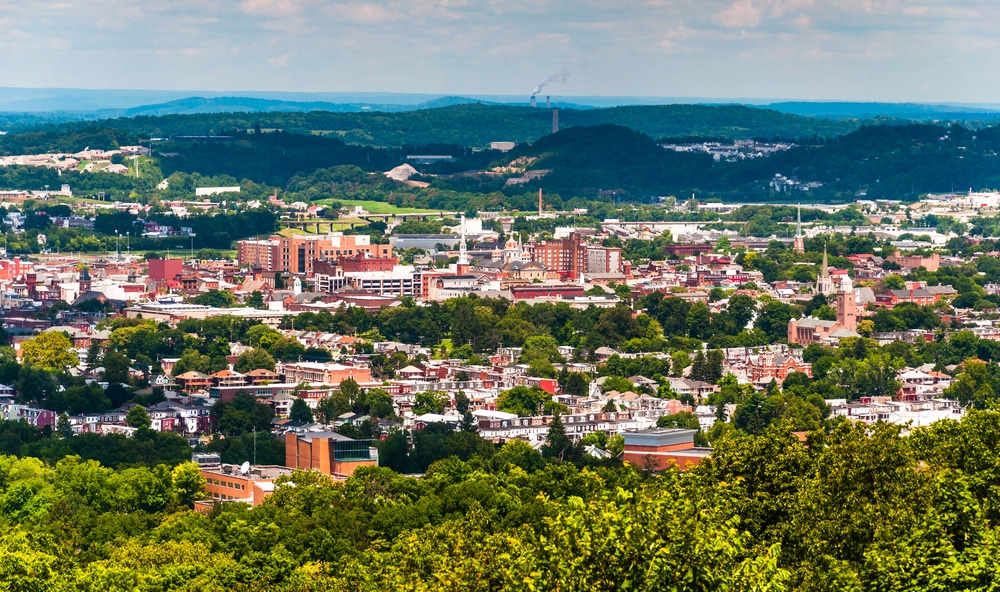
column 741, row 14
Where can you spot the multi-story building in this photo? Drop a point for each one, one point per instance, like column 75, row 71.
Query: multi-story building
column 567, row 256
column 296, row 254
column 324, row 373
column 604, row 260
column 329, row 453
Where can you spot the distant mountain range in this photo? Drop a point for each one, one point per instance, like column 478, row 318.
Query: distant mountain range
column 23, row 107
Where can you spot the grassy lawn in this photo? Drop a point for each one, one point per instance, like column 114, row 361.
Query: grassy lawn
column 377, row 207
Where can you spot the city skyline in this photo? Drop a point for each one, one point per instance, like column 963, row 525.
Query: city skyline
column 856, row 50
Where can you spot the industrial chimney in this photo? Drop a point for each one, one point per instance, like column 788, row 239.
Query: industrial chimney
column 548, row 102
column 555, row 120
column 533, row 103
column 539, row 202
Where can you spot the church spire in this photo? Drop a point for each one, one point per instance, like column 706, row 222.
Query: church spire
column 800, row 243
column 463, row 256
column 824, row 285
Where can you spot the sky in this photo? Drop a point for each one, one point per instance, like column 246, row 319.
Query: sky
column 859, row 50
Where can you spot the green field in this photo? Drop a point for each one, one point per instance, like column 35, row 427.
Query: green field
column 377, row 207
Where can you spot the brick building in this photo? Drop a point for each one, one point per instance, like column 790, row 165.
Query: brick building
column 329, row 453
column 568, row 256
column 324, row 373
column 165, row 269
column 661, row 448
column 296, row 254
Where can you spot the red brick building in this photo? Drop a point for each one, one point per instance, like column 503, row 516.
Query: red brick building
column 296, row 254
column 165, row 269
column 568, row 256
column 329, row 453
column 658, row 449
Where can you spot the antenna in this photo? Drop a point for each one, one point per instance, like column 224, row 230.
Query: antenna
column 245, row 467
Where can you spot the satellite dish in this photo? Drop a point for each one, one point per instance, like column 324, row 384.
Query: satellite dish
column 245, row 467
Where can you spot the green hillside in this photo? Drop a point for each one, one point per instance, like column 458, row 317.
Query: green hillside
column 477, row 125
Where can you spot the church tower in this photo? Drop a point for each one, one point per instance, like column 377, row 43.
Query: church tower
column 85, row 282
column 824, row 284
column 847, row 305
column 800, row 243
column 463, row 255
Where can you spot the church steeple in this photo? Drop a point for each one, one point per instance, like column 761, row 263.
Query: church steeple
column 463, row 256
column 824, row 285
column 800, row 244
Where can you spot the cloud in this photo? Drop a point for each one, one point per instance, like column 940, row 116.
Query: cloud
column 741, row 14
column 272, row 8
column 279, row 61
column 363, row 13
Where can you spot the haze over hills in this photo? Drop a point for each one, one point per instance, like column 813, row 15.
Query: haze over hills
column 53, row 105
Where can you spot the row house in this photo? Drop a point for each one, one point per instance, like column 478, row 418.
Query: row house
column 918, row 296
column 921, row 386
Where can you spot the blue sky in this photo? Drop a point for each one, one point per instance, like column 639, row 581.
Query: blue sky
column 882, row 50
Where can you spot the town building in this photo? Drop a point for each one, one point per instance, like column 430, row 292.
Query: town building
column 658, row 449
column 812, row 330
column 297, row 254
column 329, row 453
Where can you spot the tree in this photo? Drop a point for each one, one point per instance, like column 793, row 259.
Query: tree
column 577, row 384
column 188, row 483
column 254, row 359
column 332, row 407
column 255, row 300
column 773, row 320
column 63, row 427
column 523, row 400
column 380, row 403
column 557, row 443
column 699, row 319
column 216, row 299
column 429, row 402
column 138, row 418
column 116, row 367
column 893, row 282
column 49, row 350
column 300, row 411
column 741, row 308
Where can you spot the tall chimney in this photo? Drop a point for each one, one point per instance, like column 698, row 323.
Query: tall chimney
column 548, row 102
column 555, row 120
column 533, row 103
column 539, row 202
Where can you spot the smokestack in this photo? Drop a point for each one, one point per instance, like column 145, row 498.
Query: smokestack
column 533, row 104
column 548, row 102
column 555, row 120
column 539, row 202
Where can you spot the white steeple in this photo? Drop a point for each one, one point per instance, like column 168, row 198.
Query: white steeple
column 463, row 256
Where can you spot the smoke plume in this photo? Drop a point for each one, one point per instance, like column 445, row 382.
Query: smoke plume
column 560, row 76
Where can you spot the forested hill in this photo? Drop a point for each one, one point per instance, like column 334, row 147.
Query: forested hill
column 477, row 125
column 897, row 162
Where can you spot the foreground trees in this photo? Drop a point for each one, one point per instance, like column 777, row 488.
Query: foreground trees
column 854, row 508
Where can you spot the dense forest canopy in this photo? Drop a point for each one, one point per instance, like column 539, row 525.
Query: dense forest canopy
column 854, row 508
column 606, row 157
column 477, row 125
